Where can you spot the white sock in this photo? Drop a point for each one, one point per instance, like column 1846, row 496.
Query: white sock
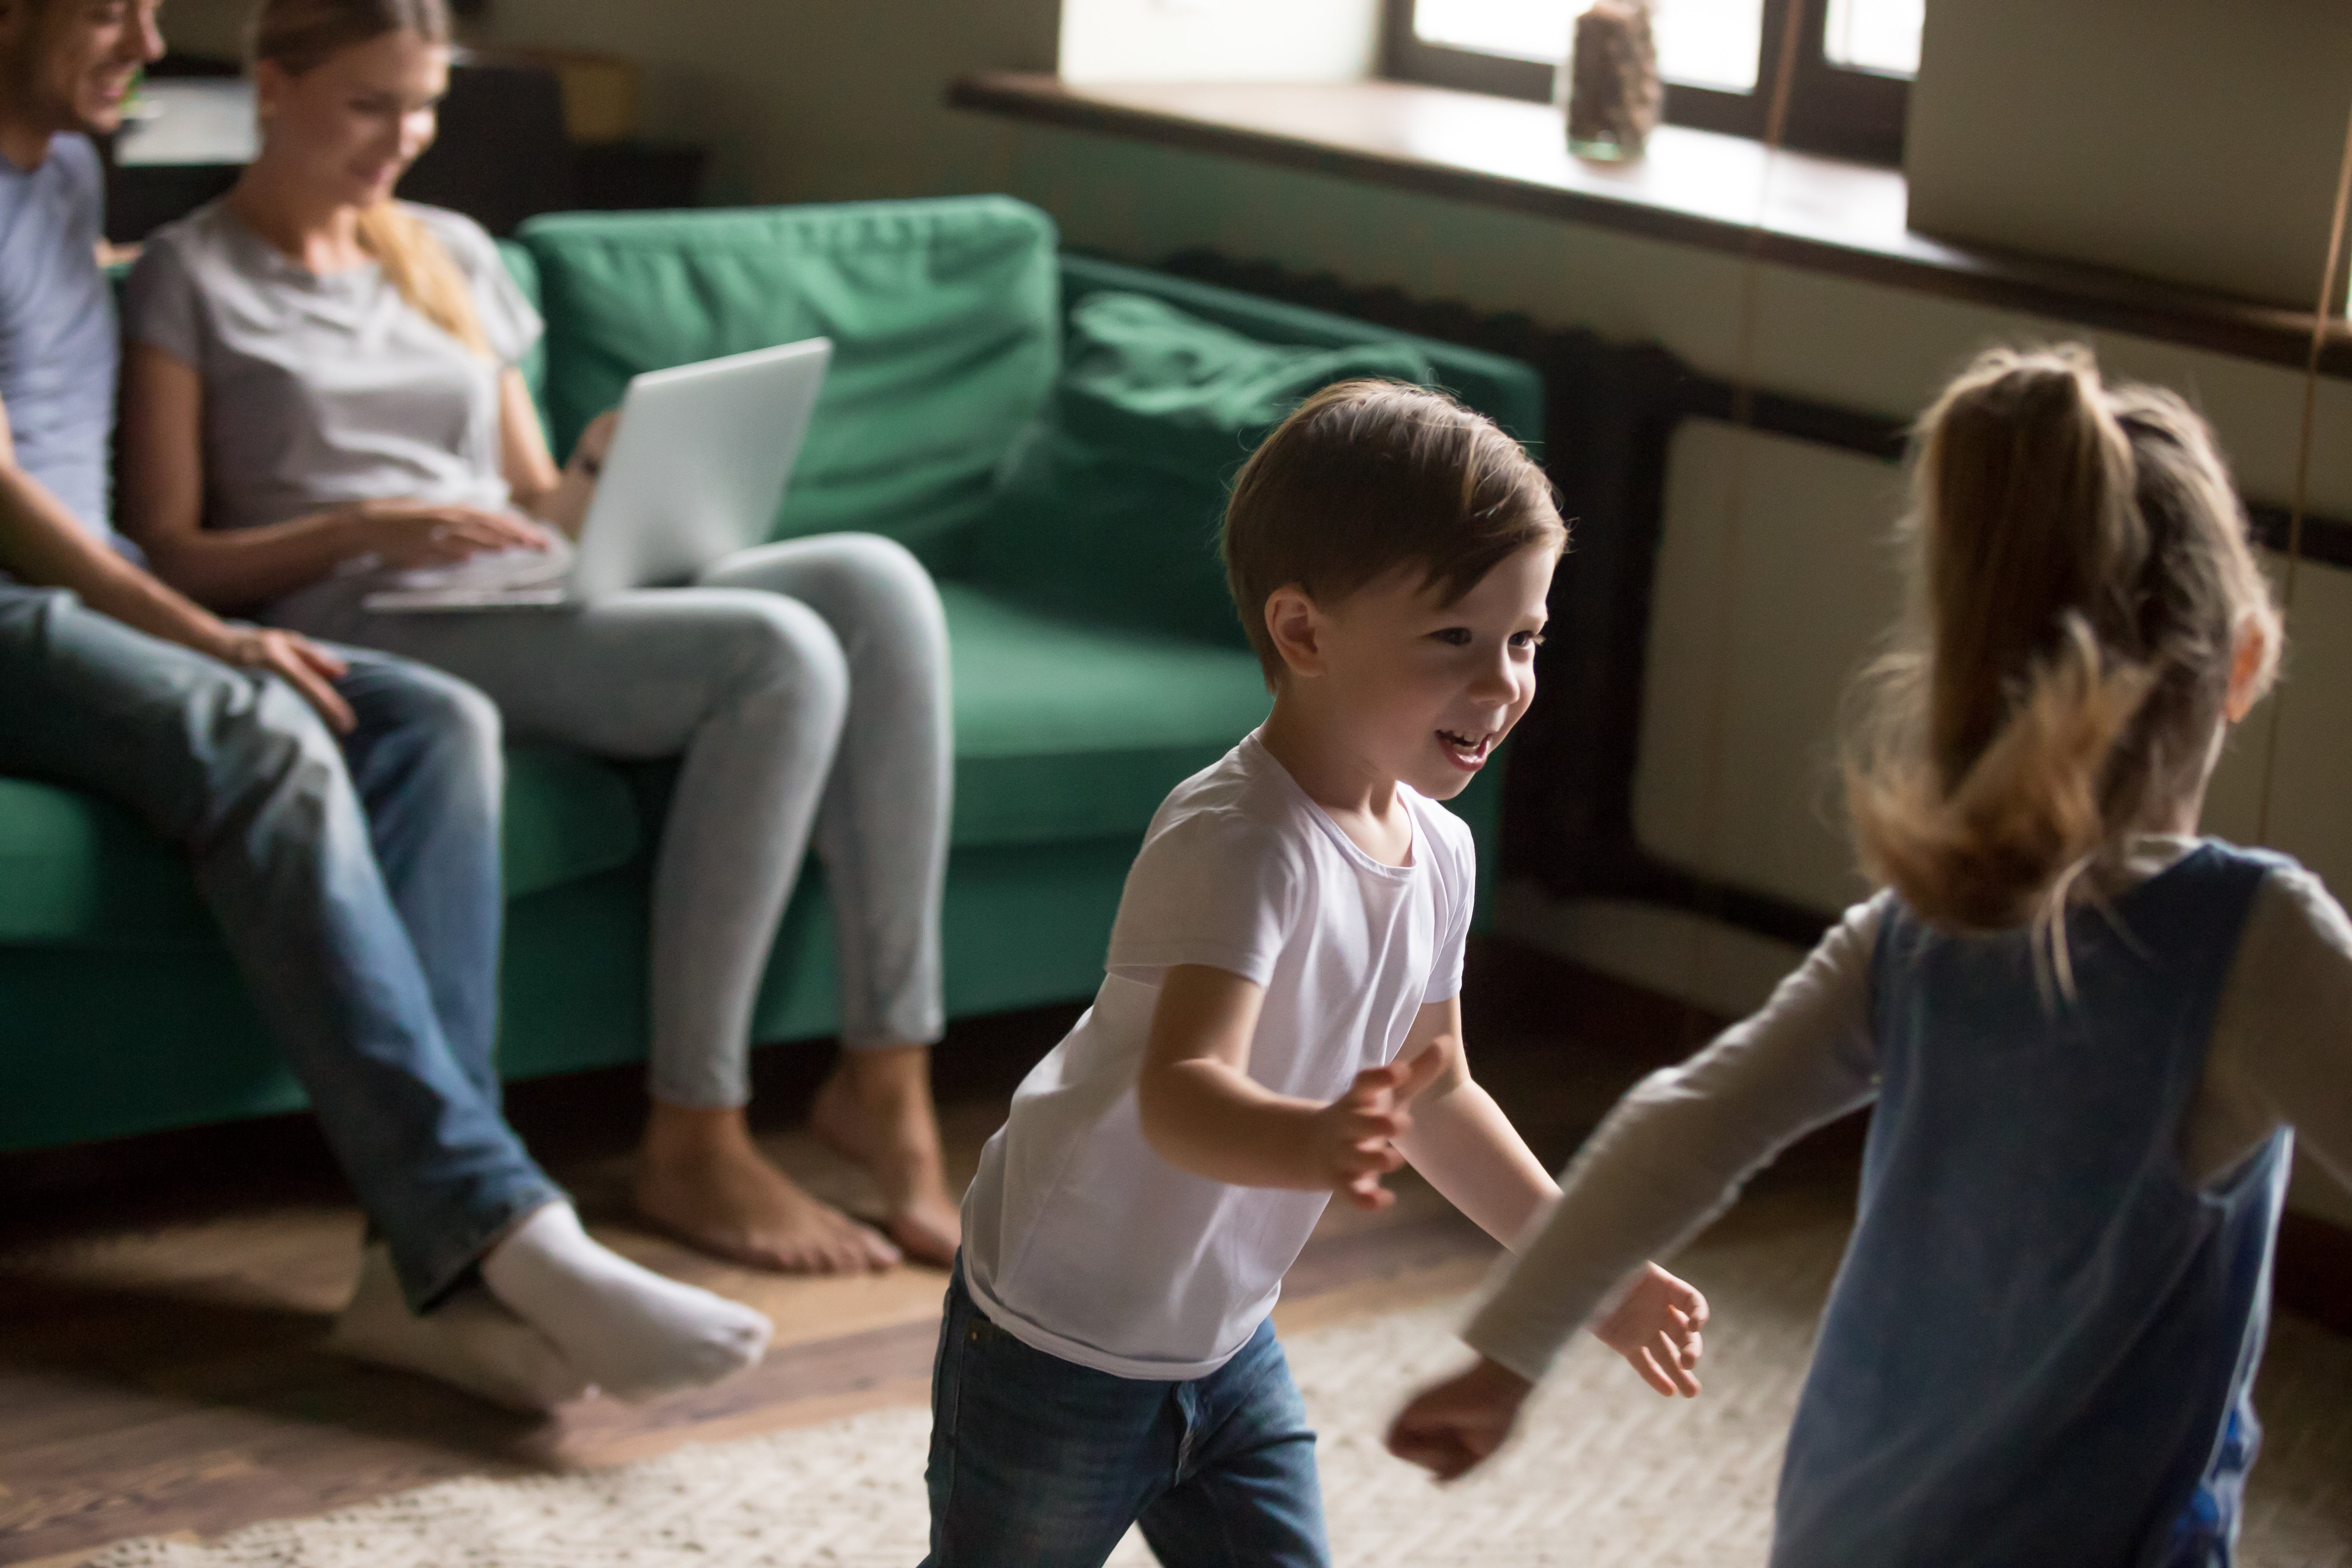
column 632, row 1332
column 468, row 1340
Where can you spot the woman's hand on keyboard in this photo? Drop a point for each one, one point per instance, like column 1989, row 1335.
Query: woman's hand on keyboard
column 409, row 534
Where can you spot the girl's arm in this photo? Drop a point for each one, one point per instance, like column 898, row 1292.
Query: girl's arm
column 552, row 495
column 1669, row 1159
column 161, row 507
column 1674, row 1153
column 1460, row 1140
column 2282, row 1041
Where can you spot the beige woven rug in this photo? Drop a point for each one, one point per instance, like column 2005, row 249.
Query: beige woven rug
column 1606, row 1472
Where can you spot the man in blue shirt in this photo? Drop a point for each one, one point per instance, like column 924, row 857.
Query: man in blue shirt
column 340, row 809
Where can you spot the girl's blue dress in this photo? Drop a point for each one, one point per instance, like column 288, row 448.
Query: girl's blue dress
column 2041, row 1345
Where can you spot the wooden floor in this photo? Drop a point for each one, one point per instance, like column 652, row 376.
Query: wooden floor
column 162, row 1301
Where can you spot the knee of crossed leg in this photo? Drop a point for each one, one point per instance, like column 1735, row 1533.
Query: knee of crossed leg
column 888, row 595
column 786, row 655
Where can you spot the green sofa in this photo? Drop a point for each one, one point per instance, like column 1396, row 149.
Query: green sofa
column 1095, row 664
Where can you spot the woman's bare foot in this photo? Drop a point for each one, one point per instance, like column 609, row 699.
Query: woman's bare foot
column 876, row 1109
column 702, row 1178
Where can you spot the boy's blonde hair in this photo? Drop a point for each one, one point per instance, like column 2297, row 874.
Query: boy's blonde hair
column 297, row 37
column 2080, row 577
column 1366, row 477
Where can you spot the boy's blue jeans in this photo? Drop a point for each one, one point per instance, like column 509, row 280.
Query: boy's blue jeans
column 356, row 884
column 1037, row 1462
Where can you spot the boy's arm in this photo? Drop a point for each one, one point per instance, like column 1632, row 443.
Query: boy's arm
column 1471, row 1154
column 1203, row 1113
column 1461, row 1141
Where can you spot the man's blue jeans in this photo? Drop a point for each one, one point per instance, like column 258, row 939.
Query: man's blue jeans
column 1037, row 1462
column 357, row 885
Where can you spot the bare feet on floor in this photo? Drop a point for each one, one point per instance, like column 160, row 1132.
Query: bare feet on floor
column 702, row 1178
column 876, row 1109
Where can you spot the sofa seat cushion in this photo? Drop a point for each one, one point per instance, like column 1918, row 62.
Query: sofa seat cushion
column 568, row 817
column 1110, row 506
column 943, row 316
column 81, row 871
column 1067, row 730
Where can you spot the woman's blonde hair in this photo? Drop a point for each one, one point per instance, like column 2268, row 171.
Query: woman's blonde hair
column 2081, row 579
column 297, row 36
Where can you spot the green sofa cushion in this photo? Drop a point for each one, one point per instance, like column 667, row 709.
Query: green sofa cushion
column 1068, row 729
column 1509, row 391
column 1109, row 508
column 82, row 871
column 943, row 317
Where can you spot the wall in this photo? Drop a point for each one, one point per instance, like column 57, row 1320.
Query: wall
column 1219, row 40
column 797, row 99
column 2185, row 139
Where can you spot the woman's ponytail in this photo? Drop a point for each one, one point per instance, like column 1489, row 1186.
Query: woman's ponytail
column 2080, row 571
column 420, row 267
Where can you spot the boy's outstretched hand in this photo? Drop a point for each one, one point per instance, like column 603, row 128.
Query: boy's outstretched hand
column 1353, row 1140
column 1656, row 1328
column 1453, row 1426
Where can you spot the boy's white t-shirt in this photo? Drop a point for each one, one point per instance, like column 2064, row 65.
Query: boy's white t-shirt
column 1079, row 1240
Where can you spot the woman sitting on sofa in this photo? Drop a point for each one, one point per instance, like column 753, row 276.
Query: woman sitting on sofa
column 322, row 388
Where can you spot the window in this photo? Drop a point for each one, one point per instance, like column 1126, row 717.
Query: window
column 1855, row 59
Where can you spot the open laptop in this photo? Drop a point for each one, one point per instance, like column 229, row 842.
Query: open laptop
column 696, row 472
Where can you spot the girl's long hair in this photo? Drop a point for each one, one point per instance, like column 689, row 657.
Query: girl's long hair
column 2081, row 579
column 297, row 36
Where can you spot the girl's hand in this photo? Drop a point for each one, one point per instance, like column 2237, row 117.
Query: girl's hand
column 302, row 664
column 1451, row 1427
column 405, row 533
column 1351, row 1143
column 1656, row 1328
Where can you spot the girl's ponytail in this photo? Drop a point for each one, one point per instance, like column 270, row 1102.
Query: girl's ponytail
column 2080, row 575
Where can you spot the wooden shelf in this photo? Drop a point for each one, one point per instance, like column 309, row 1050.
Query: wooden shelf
column 1695, row 187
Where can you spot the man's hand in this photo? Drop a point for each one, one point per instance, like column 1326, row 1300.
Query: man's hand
column 1451, row 1427
column 1656, row 1328
column 1352, row 1141
column 302, row 664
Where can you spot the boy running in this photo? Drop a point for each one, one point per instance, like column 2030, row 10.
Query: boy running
column 1284, row 977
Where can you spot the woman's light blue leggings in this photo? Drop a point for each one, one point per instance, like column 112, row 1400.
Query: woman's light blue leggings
column 805, row 685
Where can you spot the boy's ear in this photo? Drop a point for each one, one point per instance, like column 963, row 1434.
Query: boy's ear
column 1295, row 628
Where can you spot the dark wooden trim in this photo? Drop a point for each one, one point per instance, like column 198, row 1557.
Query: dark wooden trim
column 1405, row 56
column 1610, row 412
column 1225, row 121
column 2313, row 1271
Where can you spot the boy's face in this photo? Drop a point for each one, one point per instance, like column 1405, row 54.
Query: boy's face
column 1424, row 691
column 68, row 64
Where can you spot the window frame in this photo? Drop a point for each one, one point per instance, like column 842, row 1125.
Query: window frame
column 1833, row 110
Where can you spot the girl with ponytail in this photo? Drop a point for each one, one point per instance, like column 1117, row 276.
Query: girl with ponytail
column 2089, row 1037
column 322, row 388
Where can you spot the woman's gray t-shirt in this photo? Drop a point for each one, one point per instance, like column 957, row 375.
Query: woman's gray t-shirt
column 321, row 391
